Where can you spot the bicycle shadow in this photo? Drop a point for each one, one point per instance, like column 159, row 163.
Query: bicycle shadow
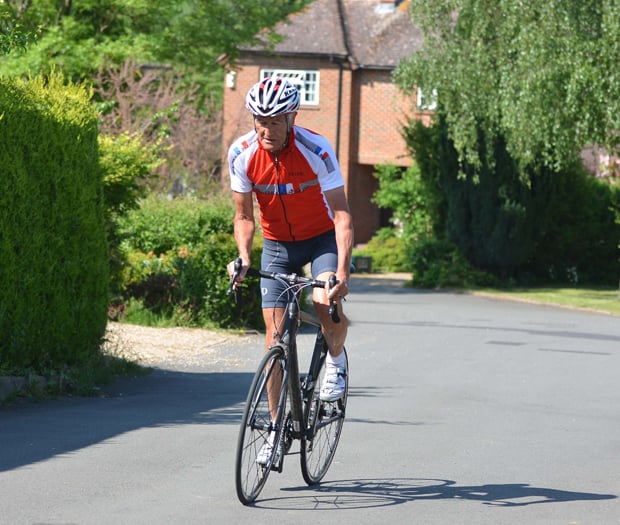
column 372, row 493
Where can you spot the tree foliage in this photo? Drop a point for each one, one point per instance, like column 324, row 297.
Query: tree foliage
column 12, row 33
column 175, row 119
column 81, row 37
column 157, row 67
column 543, row 76
column 403, row 192
column 549, row 226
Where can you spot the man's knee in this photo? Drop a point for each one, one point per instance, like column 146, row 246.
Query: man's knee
column 335, row 332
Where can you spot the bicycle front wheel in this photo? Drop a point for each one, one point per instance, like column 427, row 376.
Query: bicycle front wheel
column 323, row 420
column 258, row 428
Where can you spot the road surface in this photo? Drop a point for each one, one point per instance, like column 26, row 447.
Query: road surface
column 462, row 410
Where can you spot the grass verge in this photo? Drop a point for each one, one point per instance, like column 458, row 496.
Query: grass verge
column 605, row 300
column 110, row 363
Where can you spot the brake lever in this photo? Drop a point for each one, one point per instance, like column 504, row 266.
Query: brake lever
column 333, row 307
column 233, row 280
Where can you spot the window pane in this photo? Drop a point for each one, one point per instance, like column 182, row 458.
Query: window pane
column 306, row 81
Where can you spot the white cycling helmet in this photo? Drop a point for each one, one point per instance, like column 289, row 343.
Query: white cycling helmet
column 271, row 97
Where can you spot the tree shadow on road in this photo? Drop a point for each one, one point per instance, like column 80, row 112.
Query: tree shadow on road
column 370, row 493
column 39, row 431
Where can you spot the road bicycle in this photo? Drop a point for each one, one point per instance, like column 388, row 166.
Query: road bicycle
column 298, row 413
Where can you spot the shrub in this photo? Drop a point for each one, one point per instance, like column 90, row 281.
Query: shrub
column 405, row 193
column 202, row 282
column 387, row 252
column 439, row 263
column 577, row 235
column 160, row 225
column 166, row 112
column 126, row 164
column 177, row 252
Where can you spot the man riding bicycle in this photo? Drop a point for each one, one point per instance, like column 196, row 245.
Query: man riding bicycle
column 304, row 214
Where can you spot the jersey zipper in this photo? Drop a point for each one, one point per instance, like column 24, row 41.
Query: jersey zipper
column 277, row 165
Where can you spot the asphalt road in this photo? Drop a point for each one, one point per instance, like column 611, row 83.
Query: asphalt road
column 462, row 410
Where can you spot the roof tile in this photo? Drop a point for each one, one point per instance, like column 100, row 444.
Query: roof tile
column 358, row 29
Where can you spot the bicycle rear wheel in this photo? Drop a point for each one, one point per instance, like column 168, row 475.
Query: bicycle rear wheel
column 257, row 424
column 323, row 420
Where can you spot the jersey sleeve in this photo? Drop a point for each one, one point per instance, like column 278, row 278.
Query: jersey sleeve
column 321, row 155
column 332, row 179
column 239, row 155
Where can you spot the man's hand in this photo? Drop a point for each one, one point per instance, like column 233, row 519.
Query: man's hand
column 339, row 291
column 237, row 270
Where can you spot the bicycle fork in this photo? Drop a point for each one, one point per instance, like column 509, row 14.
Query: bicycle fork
column 308, row 386
column 291, row 422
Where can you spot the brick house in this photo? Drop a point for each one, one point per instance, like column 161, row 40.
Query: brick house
column 341, row 53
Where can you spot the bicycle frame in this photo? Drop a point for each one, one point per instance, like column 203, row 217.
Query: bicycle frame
column 288, row 341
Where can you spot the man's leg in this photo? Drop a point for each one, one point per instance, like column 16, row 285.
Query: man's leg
column 335, row 335
column 273, row 322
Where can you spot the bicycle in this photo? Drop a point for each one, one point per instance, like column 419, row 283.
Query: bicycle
column 300, row 413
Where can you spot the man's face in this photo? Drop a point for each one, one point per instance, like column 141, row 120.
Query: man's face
column 272, row 132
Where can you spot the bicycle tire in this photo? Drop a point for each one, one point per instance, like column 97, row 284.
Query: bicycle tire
column 256, row 424
column 325, row 419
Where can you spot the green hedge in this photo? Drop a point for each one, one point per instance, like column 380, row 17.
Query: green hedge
column 53, row 250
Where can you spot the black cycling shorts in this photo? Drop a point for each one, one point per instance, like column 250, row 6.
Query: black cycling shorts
column 321, row 252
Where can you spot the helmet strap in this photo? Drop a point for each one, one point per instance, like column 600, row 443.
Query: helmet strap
column 290, row 117
column 289, row 120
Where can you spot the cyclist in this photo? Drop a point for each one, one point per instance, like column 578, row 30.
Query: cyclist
column 304, row 213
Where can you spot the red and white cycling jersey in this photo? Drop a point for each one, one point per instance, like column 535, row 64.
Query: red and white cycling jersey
column 290, row 185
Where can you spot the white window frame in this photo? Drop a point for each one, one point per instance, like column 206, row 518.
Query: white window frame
column 307, row 81
column 427, row 101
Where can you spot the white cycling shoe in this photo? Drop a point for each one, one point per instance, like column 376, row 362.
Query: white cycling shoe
column 266, row 451
column 334, row 383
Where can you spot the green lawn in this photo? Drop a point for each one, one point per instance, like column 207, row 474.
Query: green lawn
column 604, row 300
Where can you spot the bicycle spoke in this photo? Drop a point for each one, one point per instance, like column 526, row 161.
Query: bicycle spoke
column 257, row 428
column 324, row 420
